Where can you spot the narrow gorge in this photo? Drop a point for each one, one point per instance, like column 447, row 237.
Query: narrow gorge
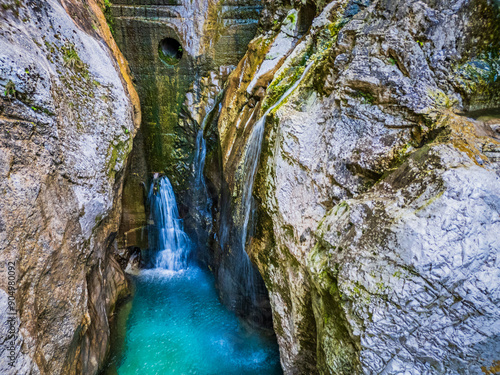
column 249, row 187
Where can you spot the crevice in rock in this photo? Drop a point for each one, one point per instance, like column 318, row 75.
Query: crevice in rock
column 305, row 17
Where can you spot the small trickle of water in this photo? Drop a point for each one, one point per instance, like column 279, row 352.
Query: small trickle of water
column 199, row 160
column 201, row 200
column 201, row 203
column 166, row 233
column 252, row 157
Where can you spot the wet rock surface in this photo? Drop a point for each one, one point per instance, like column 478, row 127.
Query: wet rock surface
column 376, row 199
column 68, row 114
column 212, row 36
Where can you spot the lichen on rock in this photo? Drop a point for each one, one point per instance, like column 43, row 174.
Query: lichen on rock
column 377, row 193
column 67, row 100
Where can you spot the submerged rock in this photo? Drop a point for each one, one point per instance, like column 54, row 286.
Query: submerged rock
column 68, row 114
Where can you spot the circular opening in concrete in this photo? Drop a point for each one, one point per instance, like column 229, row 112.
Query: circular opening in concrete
column 170, row 51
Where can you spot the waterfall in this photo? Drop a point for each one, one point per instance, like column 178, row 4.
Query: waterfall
column 200, row 198
column 166, row 234
column 199, row 160
column 251, row 162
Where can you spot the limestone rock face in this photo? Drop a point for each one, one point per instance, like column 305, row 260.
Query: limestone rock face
column 377, row 198
column 68, row 115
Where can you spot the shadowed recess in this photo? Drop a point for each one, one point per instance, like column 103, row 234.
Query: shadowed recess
column 170, row 51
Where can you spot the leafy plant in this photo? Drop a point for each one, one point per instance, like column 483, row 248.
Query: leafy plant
column 71, row 58
column 291, row 17
column 10, row 90
column 109, row 17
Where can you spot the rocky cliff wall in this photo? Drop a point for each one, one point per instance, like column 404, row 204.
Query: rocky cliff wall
column 180, row 96
column 68, row 115
column 377, row 198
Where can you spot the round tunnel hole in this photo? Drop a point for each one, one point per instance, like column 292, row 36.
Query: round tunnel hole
column 170, row 51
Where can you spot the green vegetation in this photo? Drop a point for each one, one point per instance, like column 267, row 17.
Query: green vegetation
column 71, row 58
column 365, row 97
column 287, row 78
column 341, row 208
column 441, row 99
column 169, row 60
column 10, row 90
column 280, row 85
column 109, row 17
column 479, row 77
column 44, row 110
column 12, row 6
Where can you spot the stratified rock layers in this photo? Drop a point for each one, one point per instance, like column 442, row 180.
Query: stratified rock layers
column 68, row 114
column 376, row 204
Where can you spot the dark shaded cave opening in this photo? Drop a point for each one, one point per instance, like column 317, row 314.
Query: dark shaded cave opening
column 170, row 51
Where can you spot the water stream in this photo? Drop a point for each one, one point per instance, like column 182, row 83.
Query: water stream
column 167, row 238
column 175, row 323
column 201, row 204
column 252, row 158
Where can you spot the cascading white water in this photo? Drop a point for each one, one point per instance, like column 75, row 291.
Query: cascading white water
column 252, row 157
column 199, row 160
column 200, row 198
column 166, row 235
